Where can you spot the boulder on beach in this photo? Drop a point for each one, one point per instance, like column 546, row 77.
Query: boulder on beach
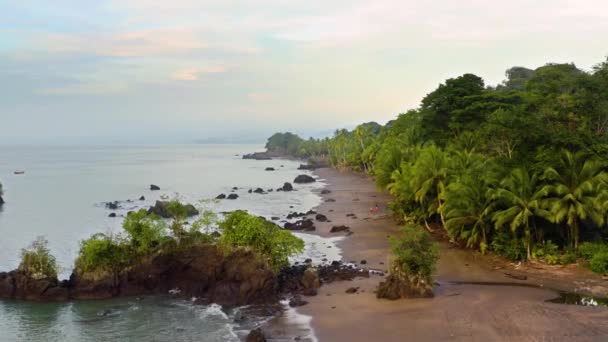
column 256, row 335
column 160, row 208
column 269, row 169
column 154, row 187
column 321, row 218
column 302, row 179
column 338, row 229
column 232, row 196
column 220, row 196
column 287, row 187
column 305, row 224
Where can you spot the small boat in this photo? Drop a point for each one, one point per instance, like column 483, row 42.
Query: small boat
column 19, row 172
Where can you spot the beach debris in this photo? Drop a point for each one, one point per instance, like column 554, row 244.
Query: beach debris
column 515, row 276
column 352, row 290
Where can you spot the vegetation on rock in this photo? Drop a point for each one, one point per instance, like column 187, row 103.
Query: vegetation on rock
column 37, row 261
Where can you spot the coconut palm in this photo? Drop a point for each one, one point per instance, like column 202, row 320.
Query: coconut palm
column 522, row 198
column 429, row 176
column 573, row 191
column 468, row 211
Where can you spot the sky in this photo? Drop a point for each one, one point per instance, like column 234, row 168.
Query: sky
column 139, row 71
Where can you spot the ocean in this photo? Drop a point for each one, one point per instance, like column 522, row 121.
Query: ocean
column 62, row 195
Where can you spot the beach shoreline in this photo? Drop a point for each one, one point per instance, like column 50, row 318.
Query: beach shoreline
column 474, row 300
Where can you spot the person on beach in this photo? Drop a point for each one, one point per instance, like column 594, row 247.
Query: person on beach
column 375, row 209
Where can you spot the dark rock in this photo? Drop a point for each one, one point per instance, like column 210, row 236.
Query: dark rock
column 311, row 212
column 287, row 187
column 350, row 215
column 160, row 209
column 1, row 200
column 142, row 198
column 269, row 190
column 338, row 229
column 297, row 301
column 259, row 191
column 321, row 218
column 112, row 205
column 352, row 290
column 294, row 215
column 301, row 179
column 234, row 188
column 258, row 156
column 305, row 224
column 308, row 261
column 363, row 262
column 220, row 196
column 330, row 200
column 274, row 218
column 112, row 215
column 232, row 196
column 269, row 169
column 310, row 292
column 256, row 335
column 154, row 187
column 325, row 191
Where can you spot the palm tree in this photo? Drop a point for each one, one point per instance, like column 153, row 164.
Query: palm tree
column 519, row 192
column 430, row 172
column 573, row 191
column 468, row 210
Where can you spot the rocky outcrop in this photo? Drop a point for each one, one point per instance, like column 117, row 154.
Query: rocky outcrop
column 302, row 179
column 259, row 156
column 160, row 208
column 112, row 205
column 203, row 271
column 259, row 191
column 399, row 285
column 154, row 187
column 232, row 196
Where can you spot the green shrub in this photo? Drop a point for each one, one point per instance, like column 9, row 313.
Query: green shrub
column 145, row 231
column 569, row 257
column 506, row 244
column 37, row 261
column 102, row 254
column 547, row 250
column 588, row 249
column 599, row 262
column 415, row 253
column 240, row 229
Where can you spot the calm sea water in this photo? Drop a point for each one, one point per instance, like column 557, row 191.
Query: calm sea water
column 61, row 196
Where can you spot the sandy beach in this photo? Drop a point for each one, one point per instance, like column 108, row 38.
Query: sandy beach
column 508, row 310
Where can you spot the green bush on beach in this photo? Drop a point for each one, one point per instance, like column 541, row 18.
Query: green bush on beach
column 37, row 261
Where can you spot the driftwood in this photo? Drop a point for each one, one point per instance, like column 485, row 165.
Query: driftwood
column 515, row 276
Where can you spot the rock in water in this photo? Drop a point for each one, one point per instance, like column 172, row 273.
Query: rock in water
column 269, row 169
column 325, row 192
column 112, row 205
column 1, row 201
column 142, row 198
column 112, row 215
column 220, row 196
column 301, row 179
column 232, row 196
column 256, row 335
column 287, row 187
column 321, row 218
column 154, row 187
column 259, row 191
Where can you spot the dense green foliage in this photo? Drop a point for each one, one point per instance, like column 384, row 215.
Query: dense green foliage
column 241, row 229
column 37, row 262
column 506, row 168
column 415, row 254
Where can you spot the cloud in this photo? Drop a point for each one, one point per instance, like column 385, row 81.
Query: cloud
column 193, row 74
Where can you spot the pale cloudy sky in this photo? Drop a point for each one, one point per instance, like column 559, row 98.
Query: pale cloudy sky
column 178, row 70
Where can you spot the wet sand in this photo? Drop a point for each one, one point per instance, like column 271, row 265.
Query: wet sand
column 459, row 312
